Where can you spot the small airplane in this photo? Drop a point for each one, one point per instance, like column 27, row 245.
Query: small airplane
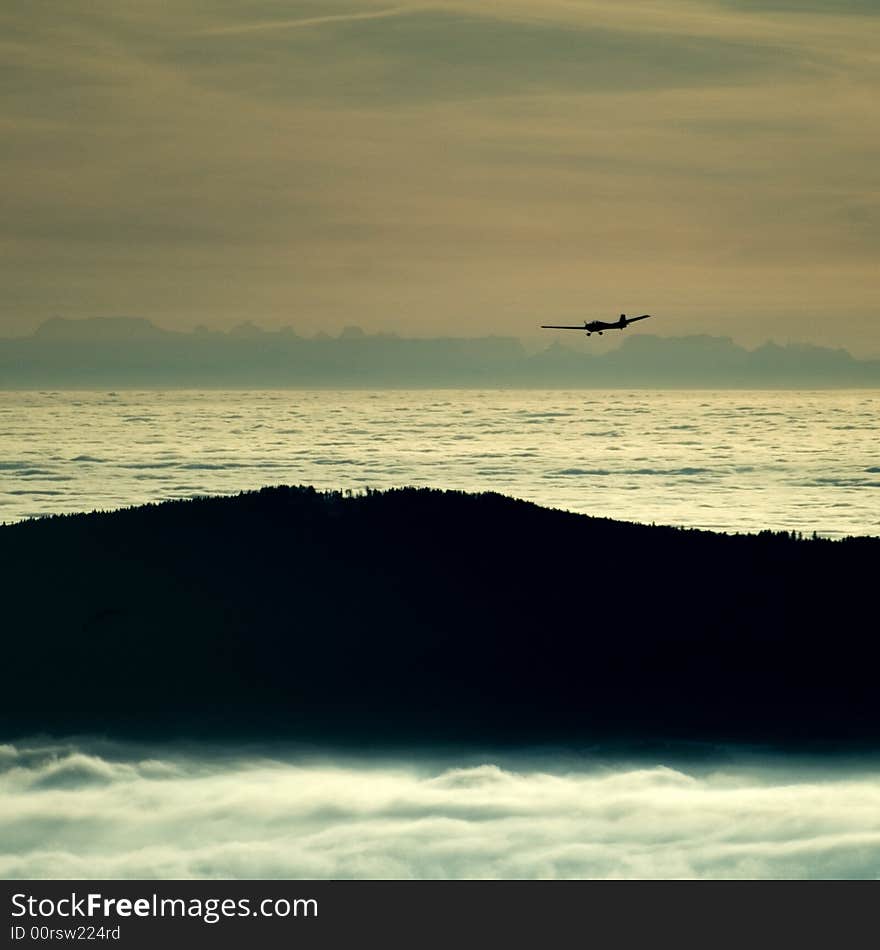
column 597, row 326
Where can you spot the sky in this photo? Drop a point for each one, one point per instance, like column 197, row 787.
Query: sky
column 444, row 168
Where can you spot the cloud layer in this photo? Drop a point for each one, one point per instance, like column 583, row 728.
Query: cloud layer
column 421, row 166
column 98, row 811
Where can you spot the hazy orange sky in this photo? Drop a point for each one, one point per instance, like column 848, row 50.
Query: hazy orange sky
column 444, row 168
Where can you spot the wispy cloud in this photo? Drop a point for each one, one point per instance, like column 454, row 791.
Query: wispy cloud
column 273, row 25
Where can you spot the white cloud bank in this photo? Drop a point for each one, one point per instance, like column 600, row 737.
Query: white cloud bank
column 91, row 811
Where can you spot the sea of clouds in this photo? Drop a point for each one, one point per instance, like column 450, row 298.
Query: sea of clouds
column 91, row 809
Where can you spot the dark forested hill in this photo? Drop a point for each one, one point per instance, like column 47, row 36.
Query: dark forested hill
column 420, row 615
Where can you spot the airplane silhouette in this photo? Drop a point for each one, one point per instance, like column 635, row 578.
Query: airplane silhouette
column 597, row 326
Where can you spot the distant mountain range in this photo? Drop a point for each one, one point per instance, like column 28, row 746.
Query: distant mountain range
column 131, row 352
column 422, row 616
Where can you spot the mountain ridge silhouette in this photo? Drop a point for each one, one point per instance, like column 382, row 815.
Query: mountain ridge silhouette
column 123, row 352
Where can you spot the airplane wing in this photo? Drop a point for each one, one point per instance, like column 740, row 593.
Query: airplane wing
column 545, row 326
column 644, row 316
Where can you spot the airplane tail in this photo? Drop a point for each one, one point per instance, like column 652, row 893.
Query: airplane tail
column 622, row 320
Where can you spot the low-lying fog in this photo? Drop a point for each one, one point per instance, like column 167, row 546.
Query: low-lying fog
column 95, row 809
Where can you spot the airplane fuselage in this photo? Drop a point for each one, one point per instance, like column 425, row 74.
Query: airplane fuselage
column 599, row 326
